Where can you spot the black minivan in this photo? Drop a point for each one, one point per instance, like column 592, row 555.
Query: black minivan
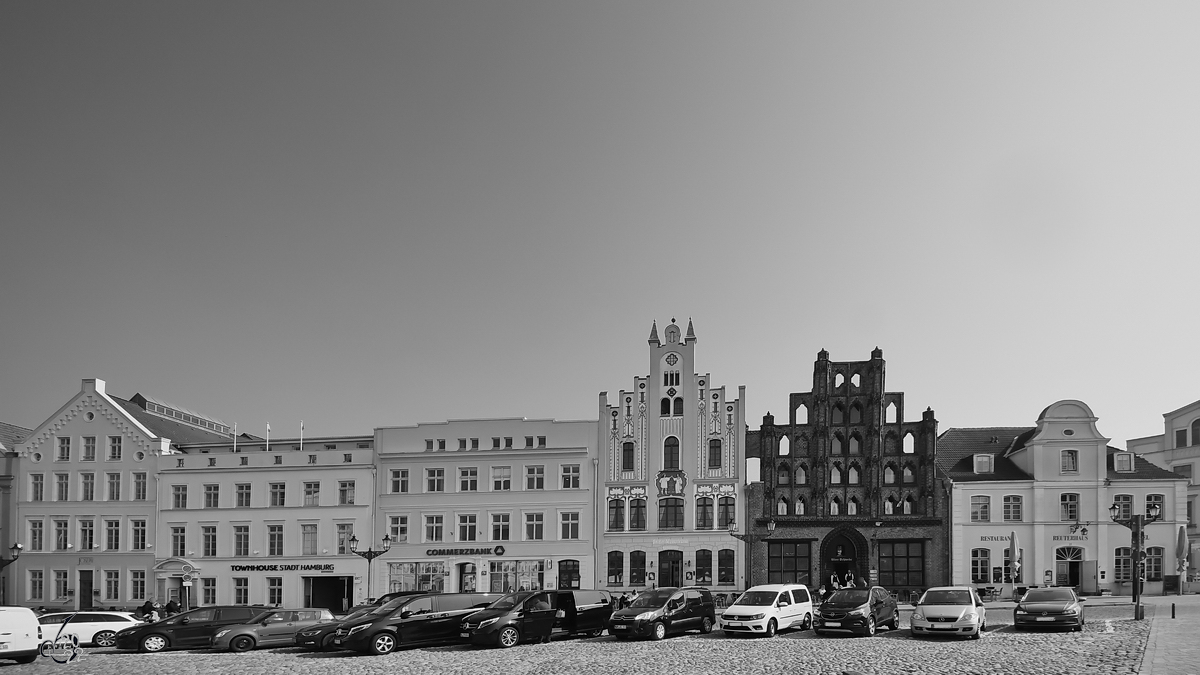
column 194, row 628
column 537, row 615
column 433, row 618
column 662, row 611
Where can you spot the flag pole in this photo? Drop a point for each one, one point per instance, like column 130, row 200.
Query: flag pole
column 235, row 436
column 268, row 436
column 301, row 435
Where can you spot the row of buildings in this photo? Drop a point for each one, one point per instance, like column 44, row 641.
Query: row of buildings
column 115, row 501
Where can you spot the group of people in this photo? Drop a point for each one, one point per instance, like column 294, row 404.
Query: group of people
column 153, row 611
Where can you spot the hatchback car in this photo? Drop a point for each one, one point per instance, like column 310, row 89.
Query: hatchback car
column 193, row 628
column 949, row 610
column 763, row 610
column 272, row 628
column 97, row 628
column 663, row 611
column 319, row 636
column 1049, row 607
column 857, row 610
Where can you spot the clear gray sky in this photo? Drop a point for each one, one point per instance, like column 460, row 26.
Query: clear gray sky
column 362, row 214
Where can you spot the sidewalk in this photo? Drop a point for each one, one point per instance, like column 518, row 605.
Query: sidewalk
column 1172, row 648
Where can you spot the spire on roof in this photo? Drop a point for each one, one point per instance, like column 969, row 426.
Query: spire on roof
column 654, row 334
column 691, row 334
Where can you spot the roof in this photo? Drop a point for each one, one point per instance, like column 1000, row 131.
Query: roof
column 11, row 435
column 1143, row 469
column 956, row 449
column 178, row 432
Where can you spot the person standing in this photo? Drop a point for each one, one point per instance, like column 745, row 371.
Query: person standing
column 172, row 608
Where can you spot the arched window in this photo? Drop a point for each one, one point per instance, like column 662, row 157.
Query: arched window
column 838, row 415
column 855, row 445
column 627, row 456
column 852, row 475
column 704, row 564
column 665, row 407
column 889, row 506
column 835, row 506
column 568, row 574
column 889, row 475
column 908, row 505
column 801, row 414
column 910, row 444
column 835, row 475
column 725, row 560
column 678, row 405
column 781, row 507
column 856, row 413
column 1196, row 432
column 637, row 568
column 801, row 475
column 783, row 475
column 714, row 453
column 908, row 476
column 616, row 515
column 704, row 513
column 800, row 504
column 785, row 447
column 671, row 454
column 835, row 445
column 889, row 414
column 852, row 507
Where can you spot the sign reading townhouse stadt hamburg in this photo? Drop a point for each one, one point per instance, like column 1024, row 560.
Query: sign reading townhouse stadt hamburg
column 672, row 462
column 851, row 486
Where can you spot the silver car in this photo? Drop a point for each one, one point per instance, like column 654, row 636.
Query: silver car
column 270, row 628
column 949, row 610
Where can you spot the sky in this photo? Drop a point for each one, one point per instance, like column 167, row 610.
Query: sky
column 370, row 214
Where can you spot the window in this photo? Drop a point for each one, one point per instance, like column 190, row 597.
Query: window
column 89, row 449
column 112, row 585
column 434, row 528
column 907, row 507
column 441, row 444
column 627, row 456
column 1069, row 461
column 114, row 487
column 541, row 441
column 179, row 541
column 1152, row 500
column 570, row 525
column 468, row 479
column 570, row 476
column 704, row 567
column 462, row 444
column 704, row 513
column 568, row 574
column 1154, row 563
column 312, row 494
column 637, row 514
column 114, row 448
column 984, row 463
column 36, row 582
column 783, row 475
column 278, row 459
column 87, row 533
column 616, row 515
column 139, row 486
column 725, row 567
column 664, row 407
column 274, row 590
column 907, row 475
column 61, row 486
column 60, row 535
column 1068, row 506
column 835, row 444
column 241, row 540
column 671, row 454
column 278, row 494
column 139, row 534
column 435, row 480
column 500, row 525
column 508, row 441
column 981, row 566
column 60, row 583
column 495, row 442
column 399, row 480
column 1124, row 505
column 241, row 591
column 782, row 507
column 88, row 485
column 670, row 514
column 275, row 540
column 64, row 450
column 901, row 564
column 535, row 478
column 616, row 568
column 308, row 538
column 179, row 496
column 467, row 527
column 852, row 507
column 1122, row 564
column 137, row 585
column 835, row 475
column 345, row 492
column 1123, row 462
column 981, row 509
column 889, row 475
column 501, row 478
column 534, row 523
column 637, row 568
column 428, row 443
column 212, row 496
column 789, row 562
column 208, row 591
column 852, row 475
column 1012, row 509
column 474, row 443
column 835, row 506
column 714, row 456
column 212, row 461
column 1181, row 438
column 312, row 459
column 397, row 524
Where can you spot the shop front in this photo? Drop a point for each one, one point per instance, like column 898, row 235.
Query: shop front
column 487, row 569
column 295, row 583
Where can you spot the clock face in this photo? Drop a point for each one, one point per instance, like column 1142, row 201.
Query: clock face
column 672, row 359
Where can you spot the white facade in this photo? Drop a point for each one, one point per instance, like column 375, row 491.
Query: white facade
column 1177, row 449
column 486, row 505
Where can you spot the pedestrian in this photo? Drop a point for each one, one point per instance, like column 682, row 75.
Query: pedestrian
column 145, row 609
column 172, row 608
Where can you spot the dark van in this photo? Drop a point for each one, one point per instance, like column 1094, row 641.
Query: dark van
column 664, row 611
column 187, row 629
column 534, row 616
column 411, row 621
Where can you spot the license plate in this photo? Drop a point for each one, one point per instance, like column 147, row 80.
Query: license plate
column 733, row 623
column 464, row 635
column 338, row 641
column 833, row 624
column 618, row 627
column 1045, row 618
column 4, row 645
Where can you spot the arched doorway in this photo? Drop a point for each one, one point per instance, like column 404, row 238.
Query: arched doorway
column 670, row 568
column 1068, row 564
column 839, row 561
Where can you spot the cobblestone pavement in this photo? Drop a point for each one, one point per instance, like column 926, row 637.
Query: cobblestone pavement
column 1110, row 643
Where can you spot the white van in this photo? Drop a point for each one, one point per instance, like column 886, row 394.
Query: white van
column 764, row 610
column 20, row 634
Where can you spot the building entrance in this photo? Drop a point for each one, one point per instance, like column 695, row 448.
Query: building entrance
column 332, row 593
column 840, row 564
column 670, row 568
column 1068, row 563
column 85, row 589
column 466, row 578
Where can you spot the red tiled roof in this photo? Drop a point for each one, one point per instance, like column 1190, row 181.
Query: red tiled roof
column 956, row 449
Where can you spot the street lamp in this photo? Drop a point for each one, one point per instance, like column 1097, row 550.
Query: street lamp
column 16, row 553
column 751, row 539
column 370, row 554
column 1137, row 524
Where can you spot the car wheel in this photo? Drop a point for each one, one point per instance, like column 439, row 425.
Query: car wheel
column 326, row 643
column 771, row 628
column 596, row 633
column 153, row 643
column 26, row 659
column 509, row 637
column 894, row 624
column 105, row 638
column 870, row 626
column 383, row 643
column 658, row 631
column 241, row 643
column 706, row 625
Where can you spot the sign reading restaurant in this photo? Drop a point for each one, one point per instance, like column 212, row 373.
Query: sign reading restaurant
column 281, row 568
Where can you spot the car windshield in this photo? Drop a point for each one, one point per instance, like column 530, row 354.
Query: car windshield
column 1048, row 595
column 652, row 599
column 359, row 612
column 947, row 597
column 386, row 608
column 508, row 601
column 757, row 598
column 856, row 596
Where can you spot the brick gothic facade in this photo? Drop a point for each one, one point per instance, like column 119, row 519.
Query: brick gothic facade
column 850, row 485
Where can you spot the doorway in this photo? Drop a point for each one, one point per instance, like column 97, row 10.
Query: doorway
column 840, row 565
column 332, row 593
column 1068, row 563
column 85, row 589
column 466, row 578
column 670, row 568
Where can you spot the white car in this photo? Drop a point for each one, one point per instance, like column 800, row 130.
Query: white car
column 20, row 634
column 765, row 610
column 949, row 610
column 91, row 627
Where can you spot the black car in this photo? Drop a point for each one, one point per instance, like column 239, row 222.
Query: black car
column 1049, row 608
column 194, row 628
column 416, row 620
column 663, row 611
column 320, row 636
column 857, row 610
column 537, row 615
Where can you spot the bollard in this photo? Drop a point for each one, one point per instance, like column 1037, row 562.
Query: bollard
column 1172, row 610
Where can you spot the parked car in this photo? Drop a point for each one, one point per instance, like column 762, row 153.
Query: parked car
column 538, row 615
column 949, row 610
column 663, row 611
column 91, row 627
column 20, row 634
column 1049, row 607
column 857, row 610
column 272, row 628
column 193, row 628
column 416, row 620
column 319, row 636
column 763, row 610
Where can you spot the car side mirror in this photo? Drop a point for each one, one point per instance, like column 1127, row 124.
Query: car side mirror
column 1082, row 599
column 405, row 614
column 185, row 620
column 784, row 603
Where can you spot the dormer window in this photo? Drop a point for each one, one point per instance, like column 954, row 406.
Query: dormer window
column 1069, row 461
column 1123, row 462
column 984, row 463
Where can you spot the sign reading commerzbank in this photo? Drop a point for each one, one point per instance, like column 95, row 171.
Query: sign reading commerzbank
column 498, row 550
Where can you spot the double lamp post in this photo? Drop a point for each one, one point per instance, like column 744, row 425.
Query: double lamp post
column 1137, row 522
column 370, row 554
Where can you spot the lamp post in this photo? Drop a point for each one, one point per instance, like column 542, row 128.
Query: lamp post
column 16, row 553
column 370, row 554
column 1137, row 523
column 751, row 539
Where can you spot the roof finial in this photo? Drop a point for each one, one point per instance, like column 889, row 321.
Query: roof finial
column 654, row 334
column 691, row 334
